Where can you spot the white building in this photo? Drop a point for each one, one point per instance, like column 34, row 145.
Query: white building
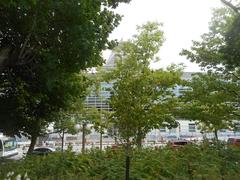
column 186, row 129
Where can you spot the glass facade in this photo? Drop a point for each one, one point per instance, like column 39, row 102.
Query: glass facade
column 101, row 100
column 192, row 127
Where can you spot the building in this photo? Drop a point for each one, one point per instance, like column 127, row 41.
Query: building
column 186, row 130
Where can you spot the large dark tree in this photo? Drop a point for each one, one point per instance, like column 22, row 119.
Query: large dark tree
column 43, row 47
column 73, row 32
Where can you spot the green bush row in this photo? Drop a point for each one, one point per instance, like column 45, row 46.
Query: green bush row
column 190, row 162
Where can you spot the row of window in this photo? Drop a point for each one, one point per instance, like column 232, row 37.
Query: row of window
column 191, row 128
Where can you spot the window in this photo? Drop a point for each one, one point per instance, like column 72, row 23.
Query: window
column 162, row 129
column 223, row 130
column 71, row 138
column 236, row 126
column 173, row 130
column 9, row 145
column 192, row 127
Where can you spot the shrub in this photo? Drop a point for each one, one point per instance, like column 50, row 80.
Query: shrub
column 190, row 162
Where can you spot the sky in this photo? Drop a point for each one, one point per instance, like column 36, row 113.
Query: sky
column 183, row 21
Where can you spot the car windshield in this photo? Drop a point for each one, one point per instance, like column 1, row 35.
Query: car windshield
column 9, row 144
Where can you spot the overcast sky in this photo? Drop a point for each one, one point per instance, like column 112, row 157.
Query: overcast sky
column 183, row 21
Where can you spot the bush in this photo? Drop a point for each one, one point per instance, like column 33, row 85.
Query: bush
column 190, row 162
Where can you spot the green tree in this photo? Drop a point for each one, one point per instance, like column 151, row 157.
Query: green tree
column 43, row 47
column 65, row 123
column 27, row 108
column 90, row 118
column 100, row 124
column 209, row 104
column 208, row 52
column 142, row 99
column 218, row 51
column 235, row 6
column 219, row 48
column 69, row 34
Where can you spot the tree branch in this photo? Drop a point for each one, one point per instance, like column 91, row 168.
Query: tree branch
column 233, row 74
column 4, row 52
column 229, row 4
column 23, row 48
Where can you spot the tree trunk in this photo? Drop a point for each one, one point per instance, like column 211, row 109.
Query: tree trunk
column 115, row 135
column 4, row 55
column 63, row 133
column 139, row 139
column 83, row 137
column 32, row 144
column 101, row 137
column 127, row 173
column 127, row 163
column 215, row 134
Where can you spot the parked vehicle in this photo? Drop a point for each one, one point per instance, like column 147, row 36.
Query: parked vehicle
column 233, row 142
column 43, row 150
column 178, row 143
column 8, row 146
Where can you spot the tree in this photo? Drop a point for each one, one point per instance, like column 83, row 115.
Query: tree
column 43, row 47
column 88, row 117
column 141, row 99
column 142, row 102
column 71, row 32
column 219, row 48
column 208, row 103
column 100, row 123
column 218, row 51
column 235, row 7
column 65, row 123
column 27, row 108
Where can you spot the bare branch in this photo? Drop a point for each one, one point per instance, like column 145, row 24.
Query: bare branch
column 23, row 48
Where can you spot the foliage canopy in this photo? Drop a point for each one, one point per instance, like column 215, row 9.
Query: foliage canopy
column 44, row 45
column 142, row 98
